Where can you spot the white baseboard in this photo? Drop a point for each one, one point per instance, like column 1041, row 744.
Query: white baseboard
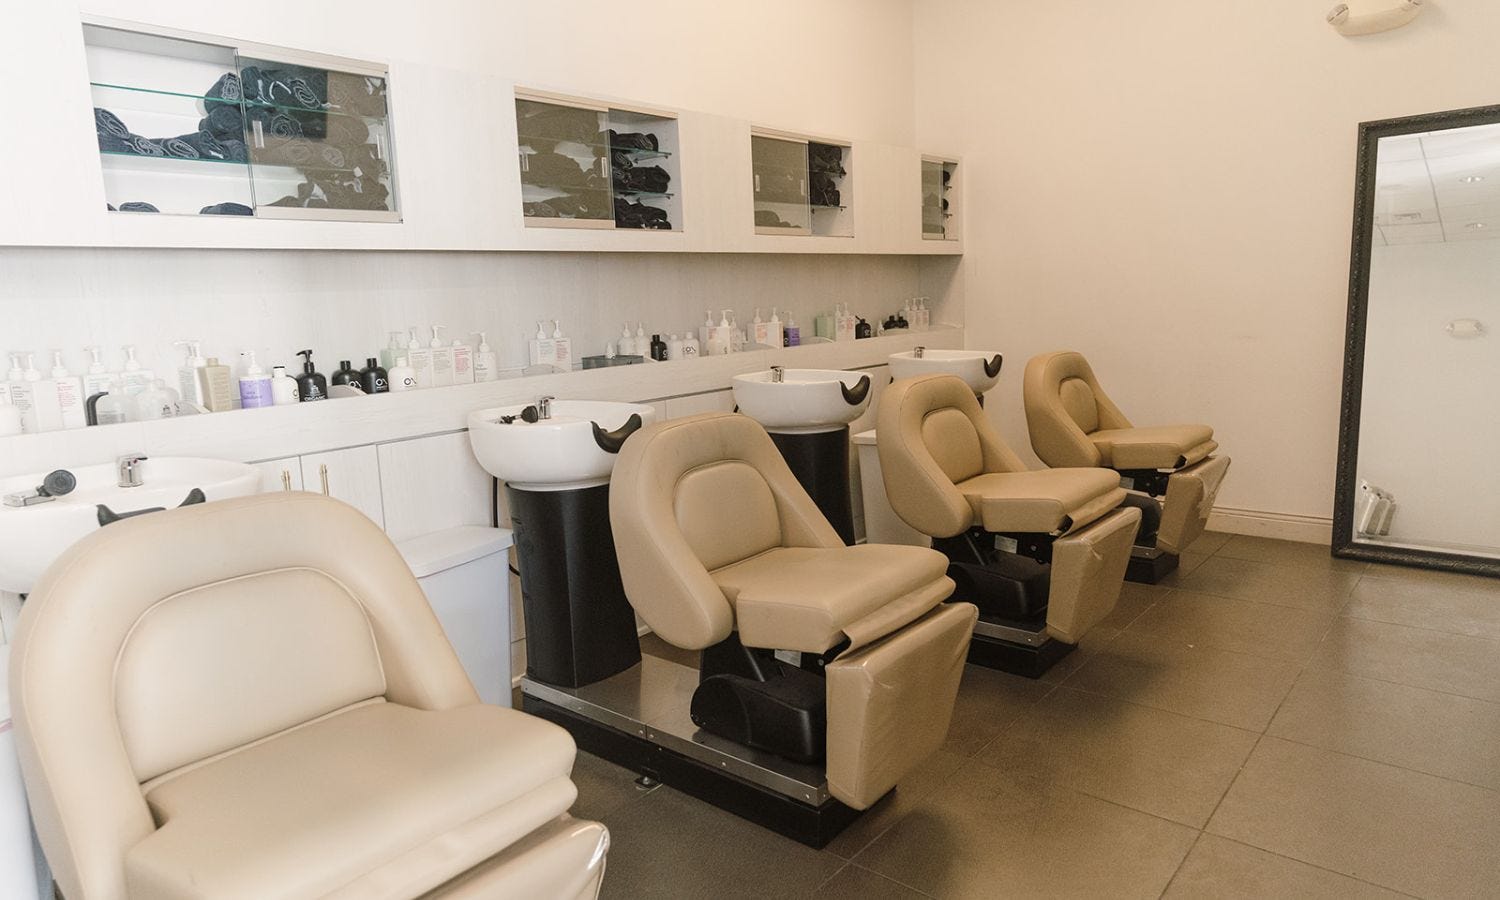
column 1282, row 526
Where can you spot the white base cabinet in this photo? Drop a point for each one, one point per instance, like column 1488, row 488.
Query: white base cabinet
column 351, row 475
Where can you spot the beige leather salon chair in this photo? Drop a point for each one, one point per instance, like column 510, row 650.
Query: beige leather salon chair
column 1073, row 422
column 721, row 549
column 949, row 475
column 251, row 699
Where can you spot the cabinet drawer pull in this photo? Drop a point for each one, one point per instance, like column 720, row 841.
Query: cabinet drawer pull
column 323, row 474
column 286, row 480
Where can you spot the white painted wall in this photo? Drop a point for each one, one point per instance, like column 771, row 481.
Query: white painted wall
column 1430, row 414
column 1167, row 187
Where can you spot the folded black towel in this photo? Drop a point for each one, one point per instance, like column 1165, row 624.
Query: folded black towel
column 539, row 210
column 826, row 158
column 137, row 206
column 145, row 147
column 226, row 209
column 293, row 86
column 226, row 88
column 639, row 215
column 632, row 140
column 765, row 218
column 651, row 179
column 361, row 95
column 107, row 123
column 223, row 121
column 108, row 143
column 178, row 147
column 822, row 190
column 579, row 207
column 332, row 156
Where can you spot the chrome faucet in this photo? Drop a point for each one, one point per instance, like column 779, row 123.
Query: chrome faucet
column 918, row 352
column 544, row 408
column 778, row 374
column 129, row 469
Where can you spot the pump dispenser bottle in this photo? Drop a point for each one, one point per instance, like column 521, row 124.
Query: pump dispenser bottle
column 485, row 366
column 189, row 383
column 541, row 351
column 420, row 360
column 157, row 401
column 310, row 384
column 793, row 336
column 96, row 380
column 393, row 349
column 463, row 362
column 283, row 387
column 442, row 360
column 562, row 348
column 70, row 394
column 134, row 379
column 373, row 378
column 43, row 413
column 627, row 342
column 255, row 387
column 20, row 392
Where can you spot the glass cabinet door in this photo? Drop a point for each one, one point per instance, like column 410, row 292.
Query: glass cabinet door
column 155, row 99
column 317, row 139
column 934, row 222
column 565, row 164
column 779, row 171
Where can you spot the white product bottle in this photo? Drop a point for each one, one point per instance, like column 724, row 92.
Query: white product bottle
column 442, row 360
column 541, row 351
column 463, row 362
column 255, row 388
column 10, row 417
column 283, row 387
column 216, row 386
column 627, row 342
column 134, row 379
column 758, row 325
column 70, row 394
column 420, row 360
column 20, row 391
column 157, row 401
column 189, row 380
column 708, row 329
column 393, row 349
column 674, row 346
column 642, row 343
column 485, row 365
column 42, row 411
column 689, row 347
column 96, row 380
column 402, row 376
column 562, row 348
column 775, row 331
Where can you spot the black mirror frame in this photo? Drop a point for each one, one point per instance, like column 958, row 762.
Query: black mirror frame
column 1347, row 479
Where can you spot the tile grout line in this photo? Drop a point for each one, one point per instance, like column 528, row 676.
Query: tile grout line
column 1177, row 871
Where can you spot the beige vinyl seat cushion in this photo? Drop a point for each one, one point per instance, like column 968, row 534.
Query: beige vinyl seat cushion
column 381, row 800
column 1046, row 501
column 1159, row 447
column 807, row 598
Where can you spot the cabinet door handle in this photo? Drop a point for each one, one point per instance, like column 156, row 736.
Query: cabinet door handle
column 757, row 184
column 323, row 474
column 286, row 480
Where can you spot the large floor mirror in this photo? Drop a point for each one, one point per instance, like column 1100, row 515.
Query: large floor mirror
column 1419, row 441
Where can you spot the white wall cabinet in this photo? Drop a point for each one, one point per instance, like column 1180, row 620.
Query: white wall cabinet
column 351, row 475
column 280, row 474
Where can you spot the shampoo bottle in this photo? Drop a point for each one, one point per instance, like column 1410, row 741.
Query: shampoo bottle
column 157, row 401
column 393, row 349
column 442, row 360
column 420, row 360
column 134, row 379
column 20, row 392
column 70, row 394
column 627, row 342
column 823, row 326
column 689, row 347
column 562, row 348
column 706, row 331
column 775, row 331
column 344, row 375
column 311, row 385
column 96, row 380
column 43, row 413
column 373, row 378
column 463, row 362
column 283, row 387
column 642, row 343
column 255, row 387
column 674, row 347
column 793, row 333
column 402, row 376
column 485, row 365
column 541, row 351
column 760, row 330
column 658, row 348
column 189, row 382
column 216, row 384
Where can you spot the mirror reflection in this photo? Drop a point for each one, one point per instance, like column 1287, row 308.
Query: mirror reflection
column 1429, row 419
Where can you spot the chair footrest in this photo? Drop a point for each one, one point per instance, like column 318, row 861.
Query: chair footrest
column 787, row 714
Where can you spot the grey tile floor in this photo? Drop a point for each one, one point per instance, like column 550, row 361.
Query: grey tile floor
column 1267, row 723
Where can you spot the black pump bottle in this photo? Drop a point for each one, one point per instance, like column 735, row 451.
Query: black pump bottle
column 310, row 385
column 373, row 379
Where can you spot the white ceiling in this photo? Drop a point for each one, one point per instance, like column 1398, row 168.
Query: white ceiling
column 1421, row 195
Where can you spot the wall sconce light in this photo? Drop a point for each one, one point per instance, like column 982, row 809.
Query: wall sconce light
column 1373, row 23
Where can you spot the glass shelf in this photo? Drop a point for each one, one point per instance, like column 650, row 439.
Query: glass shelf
column 643, row 195
column 640, row 155
column 248, row 104
column 818, row 206
column 156, row 162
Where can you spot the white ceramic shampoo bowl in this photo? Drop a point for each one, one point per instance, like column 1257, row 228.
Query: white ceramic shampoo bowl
column 556, row 454
column 980, row 369
column 31, row 537
column 805, row 401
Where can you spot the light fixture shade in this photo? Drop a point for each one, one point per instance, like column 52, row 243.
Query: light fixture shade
column 1373, row 23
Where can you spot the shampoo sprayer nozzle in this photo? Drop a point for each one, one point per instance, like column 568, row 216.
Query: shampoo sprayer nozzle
column 131, row 363
column 97, row 366
column 437, row 342
column 307, row 361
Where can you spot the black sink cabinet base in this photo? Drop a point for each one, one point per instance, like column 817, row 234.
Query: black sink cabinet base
column 820, row 461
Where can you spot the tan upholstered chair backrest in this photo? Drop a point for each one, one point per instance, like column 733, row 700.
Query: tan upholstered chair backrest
column 1064, row 405
column 931, row 434
column 695, row 494
column 165, row 640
